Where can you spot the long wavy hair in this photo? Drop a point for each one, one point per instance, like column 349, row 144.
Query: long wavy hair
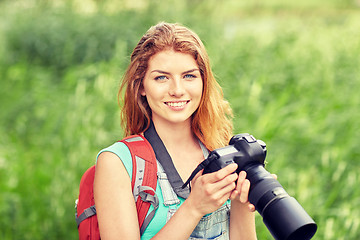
column 211, row 122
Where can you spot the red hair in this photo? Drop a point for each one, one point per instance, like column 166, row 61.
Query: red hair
column 211, row 123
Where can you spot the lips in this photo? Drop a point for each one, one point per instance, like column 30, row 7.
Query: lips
column 177, row 104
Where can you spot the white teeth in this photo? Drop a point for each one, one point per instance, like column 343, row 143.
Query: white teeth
column 176, row 104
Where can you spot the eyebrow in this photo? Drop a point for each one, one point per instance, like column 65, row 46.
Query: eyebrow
column 186, row 72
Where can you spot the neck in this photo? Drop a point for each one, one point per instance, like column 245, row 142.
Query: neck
column 175, row 134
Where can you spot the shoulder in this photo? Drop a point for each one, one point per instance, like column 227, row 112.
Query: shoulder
column 113, row 166
column 118, row 148
column 117, row 153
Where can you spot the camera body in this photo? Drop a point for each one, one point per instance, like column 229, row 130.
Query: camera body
column 282, row 214
column 243, row 149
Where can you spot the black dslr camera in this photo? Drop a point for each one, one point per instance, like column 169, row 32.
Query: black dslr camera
column 282, row 214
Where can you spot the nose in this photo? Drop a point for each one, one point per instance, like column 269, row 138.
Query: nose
column 176, row 88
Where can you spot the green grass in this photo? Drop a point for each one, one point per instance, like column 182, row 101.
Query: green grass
column 290, row 71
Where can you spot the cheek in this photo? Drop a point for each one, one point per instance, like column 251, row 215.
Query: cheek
column 196, row 90
column 152, row 93
column 146, row 89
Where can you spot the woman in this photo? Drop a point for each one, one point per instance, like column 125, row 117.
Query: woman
column 170, row 88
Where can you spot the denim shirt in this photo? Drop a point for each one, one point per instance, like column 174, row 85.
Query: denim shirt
column 212, row 226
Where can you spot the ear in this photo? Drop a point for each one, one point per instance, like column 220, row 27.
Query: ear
column 142, row 91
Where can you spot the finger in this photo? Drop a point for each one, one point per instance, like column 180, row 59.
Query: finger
column 222, row 173
column 225, row 185
column 225, row 193
column 251, row 207
column 241, row 179
column 234, row 194
column 244, row 191
column 220, row 191
column 274, row 176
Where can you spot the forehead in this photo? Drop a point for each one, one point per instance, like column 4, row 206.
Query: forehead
column 169, row 59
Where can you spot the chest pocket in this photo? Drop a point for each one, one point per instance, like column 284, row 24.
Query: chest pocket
column 212, row 226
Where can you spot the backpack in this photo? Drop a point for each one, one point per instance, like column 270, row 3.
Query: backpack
column 143, row 182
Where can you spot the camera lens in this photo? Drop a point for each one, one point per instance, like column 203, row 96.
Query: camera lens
column 282, row 214
column 286, row 219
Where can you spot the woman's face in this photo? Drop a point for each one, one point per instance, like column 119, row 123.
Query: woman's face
column 172, row 86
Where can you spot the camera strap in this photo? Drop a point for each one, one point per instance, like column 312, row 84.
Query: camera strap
column 200, row 167
column 165, row 160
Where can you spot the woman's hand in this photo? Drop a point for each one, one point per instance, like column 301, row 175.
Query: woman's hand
column 210, row 191
column 241, row 192
column 242, row 216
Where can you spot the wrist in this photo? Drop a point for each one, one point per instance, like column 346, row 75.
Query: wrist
column 242, row 221
column 242, row 207
column 192, row 209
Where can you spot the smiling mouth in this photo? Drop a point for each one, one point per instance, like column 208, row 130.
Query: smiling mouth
column 177, row 104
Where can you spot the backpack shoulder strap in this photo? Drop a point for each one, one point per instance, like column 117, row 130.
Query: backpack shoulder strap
column 144, row 178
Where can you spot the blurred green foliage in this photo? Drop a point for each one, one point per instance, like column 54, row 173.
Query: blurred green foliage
column 290, row 70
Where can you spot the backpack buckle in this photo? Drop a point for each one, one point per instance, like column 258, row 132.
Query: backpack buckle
column 90, row 211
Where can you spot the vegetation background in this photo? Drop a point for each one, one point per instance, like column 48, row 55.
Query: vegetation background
column 290, row 70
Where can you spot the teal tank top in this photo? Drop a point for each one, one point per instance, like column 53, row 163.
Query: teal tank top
column 159, row 220
column 212, row 226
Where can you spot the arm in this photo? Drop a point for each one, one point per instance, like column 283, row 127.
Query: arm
column 114, row 200
column 242, row 216
column 209, row 192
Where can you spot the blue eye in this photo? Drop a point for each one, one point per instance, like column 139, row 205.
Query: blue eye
column 189, row 76
column 160, row 77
